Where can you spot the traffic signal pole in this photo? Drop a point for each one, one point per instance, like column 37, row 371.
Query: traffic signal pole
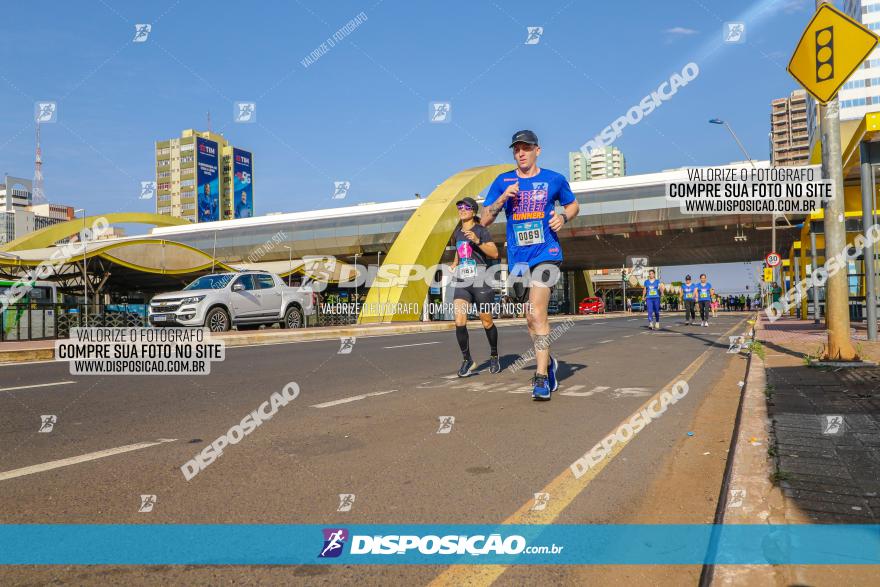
column 839, row 346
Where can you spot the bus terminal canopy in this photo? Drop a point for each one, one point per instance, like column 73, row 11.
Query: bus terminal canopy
column 147, row 264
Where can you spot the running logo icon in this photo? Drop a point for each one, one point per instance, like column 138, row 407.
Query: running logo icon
column 533, row 35
column 45, row 112
column 245, row 112
column 737, row 497
column 48, row 423
column 541, row 501
column 734, row 32
column 440, row 112
column 148, row 190
column 639, row 265
column 346, row 500
column 736, row 344
column 147, row 503
column 340, row 189
column 334, row 542
column 141, row 32
column 346, row 345
column 832, row 425
column 446, row 423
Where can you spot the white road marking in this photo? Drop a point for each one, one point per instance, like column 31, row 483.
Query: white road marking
column 400, row 346
column 353, row 398
column 628, row 335
column 572, row 391
column 632, row 319
column 36, row 385
column 604, row 341
column 631, row 392
column 599, row 323
column 19, row 363
column 80, row 459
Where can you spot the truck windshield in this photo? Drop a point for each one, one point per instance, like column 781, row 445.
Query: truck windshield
column 211, row 281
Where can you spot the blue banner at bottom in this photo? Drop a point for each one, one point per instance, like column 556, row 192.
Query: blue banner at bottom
column 221, row 544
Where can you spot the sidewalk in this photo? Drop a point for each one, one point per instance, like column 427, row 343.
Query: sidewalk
column 826, row 427
column 808, row 448
column 40, row 350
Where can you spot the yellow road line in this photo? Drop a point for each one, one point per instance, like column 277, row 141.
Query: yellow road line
column 563, row 490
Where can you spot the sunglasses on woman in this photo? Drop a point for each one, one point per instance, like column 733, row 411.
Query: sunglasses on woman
column 464, row 207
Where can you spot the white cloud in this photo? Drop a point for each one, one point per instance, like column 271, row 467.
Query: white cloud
column 679, row 30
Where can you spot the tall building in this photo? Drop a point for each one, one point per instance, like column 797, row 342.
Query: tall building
column 18, row 215
column 861, row 93
column 601, row 163
column 202, row 178
column 789, row 138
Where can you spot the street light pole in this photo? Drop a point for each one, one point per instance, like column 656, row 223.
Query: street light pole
column 85, row 270
column 289, row 263
column 356, row 278
column 746, row 153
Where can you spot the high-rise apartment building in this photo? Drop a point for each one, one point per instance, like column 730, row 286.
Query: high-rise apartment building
column 599, row 164
column 789, row 137
column 203, row 178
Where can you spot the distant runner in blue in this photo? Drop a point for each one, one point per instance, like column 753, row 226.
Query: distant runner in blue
column 529, row 196
column 704, row 297
column 651, row 291
column 688, row 297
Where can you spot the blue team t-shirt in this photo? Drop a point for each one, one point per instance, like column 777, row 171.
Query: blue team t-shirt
column 688, row 290
column 703, row 291
column 530, row 240
column 652, row 288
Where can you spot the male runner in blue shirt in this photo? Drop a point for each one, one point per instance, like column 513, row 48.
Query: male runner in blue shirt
column 528, row 195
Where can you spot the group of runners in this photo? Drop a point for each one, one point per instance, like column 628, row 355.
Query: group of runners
column 529, row 196
column 691, row 295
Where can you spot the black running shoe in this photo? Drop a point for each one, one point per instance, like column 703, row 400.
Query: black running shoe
column 494, row 364
column 467, row 368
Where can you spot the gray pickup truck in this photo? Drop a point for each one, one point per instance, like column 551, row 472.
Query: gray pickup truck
column 245, row 300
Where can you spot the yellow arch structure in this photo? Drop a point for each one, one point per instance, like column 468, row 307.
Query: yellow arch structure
column 46, row 237
column 422, row 242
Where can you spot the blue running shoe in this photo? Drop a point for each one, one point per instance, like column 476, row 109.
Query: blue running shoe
column 467, row 368
column 551, row 375
column 542, row 389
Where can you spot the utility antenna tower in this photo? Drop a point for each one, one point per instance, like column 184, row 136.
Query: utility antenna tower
column 38, row 195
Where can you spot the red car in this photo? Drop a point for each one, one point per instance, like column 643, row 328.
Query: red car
column 591, row 306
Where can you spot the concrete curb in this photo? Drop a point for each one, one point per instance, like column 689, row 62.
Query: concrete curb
column 752, row 498
column 265, row 337
column 24, row 355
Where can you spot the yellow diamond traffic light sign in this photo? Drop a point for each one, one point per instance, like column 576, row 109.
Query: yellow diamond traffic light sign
column 832, row 47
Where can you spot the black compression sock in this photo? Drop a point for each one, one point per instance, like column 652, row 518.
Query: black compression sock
column 492, row 335
column 461, row 334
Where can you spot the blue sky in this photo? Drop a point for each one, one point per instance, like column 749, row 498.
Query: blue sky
column 360, row 112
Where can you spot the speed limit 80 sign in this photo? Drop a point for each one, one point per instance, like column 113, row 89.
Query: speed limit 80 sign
column 773, row 259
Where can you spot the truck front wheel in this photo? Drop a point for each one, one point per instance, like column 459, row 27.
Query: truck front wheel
column 217, row 320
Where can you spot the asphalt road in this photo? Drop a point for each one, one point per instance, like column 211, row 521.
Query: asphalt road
column 365, row 423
